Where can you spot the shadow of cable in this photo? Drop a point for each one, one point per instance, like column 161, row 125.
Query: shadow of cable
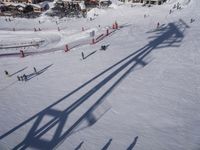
column 107, row 145
column 79, row 146
column 18, row 71
column 133, row 144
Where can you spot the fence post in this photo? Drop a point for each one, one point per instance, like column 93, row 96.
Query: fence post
column 113, row 26
column 116, row 25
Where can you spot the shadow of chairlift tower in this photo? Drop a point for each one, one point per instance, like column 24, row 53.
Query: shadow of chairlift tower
column 170, row 35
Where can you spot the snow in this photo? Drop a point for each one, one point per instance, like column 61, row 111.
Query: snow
column 142, row 92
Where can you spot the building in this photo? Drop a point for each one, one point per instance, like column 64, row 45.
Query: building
column 155, row 2
column 43, row 6
column 21, row 1
column 132, row 1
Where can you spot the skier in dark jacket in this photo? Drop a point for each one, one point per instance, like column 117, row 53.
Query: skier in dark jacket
column 25, row 77
column 35, row 70
column 6, row 72
column 82, row 55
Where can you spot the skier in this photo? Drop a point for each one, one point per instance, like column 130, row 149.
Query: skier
column 25, row 77
column 35, row 70
column 192, row 20
column 82, row 55
column 6, row 72
column 22, row 79
column 18, row 78
column 158, row 25
column 103, row 47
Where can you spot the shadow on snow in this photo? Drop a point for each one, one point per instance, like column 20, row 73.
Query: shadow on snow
column 167, row 36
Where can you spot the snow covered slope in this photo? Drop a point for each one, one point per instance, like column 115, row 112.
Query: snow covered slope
column 142, row 92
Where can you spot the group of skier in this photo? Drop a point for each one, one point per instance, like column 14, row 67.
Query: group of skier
column 24, row 77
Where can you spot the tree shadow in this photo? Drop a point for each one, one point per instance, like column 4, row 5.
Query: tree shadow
column 167, row 37
column 133, row 144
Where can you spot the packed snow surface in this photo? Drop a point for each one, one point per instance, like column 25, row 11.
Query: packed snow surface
column 141, row 92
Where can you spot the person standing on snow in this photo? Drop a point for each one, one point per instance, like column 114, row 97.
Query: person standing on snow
column 6, row 72
column 35, row 70
column 18, row 78
column 82, row 55
column 25, row 77
column 158, row 25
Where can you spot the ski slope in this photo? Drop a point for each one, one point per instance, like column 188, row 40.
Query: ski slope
column 142, row 92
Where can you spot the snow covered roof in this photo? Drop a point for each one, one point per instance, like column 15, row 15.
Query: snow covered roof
column 82, row 5
column 40, row 5
column 104, row 0
column 16, row 4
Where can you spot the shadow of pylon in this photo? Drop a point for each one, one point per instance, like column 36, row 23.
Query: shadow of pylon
column 34, row 139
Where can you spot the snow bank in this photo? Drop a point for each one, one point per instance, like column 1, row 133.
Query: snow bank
column 114, row 6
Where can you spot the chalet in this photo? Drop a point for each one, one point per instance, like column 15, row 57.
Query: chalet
column 40, row 7
column 21, row 1
column 1, row 7
column 157, row 2
column 133, row 1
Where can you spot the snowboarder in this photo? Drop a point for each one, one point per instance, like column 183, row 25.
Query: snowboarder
column 6, row 72
column 82, row 55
